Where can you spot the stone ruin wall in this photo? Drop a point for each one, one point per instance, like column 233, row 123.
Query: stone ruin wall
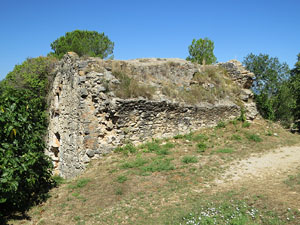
column 87, row 120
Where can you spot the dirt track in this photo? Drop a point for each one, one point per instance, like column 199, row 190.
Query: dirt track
column 265, row 174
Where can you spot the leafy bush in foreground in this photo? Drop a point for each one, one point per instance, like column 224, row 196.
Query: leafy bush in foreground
column 25, row 171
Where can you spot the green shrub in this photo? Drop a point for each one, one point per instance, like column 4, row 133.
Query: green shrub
column 189, row 159
column 25, row 174
column 201, row 147
column 34, row 74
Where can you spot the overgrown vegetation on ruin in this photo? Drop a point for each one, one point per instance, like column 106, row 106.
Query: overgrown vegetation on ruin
column 210, row 85
column 128, row 87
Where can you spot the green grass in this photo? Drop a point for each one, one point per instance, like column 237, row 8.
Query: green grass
column 58, row 180
column 80, row 183
column 200, row 137
column 201, row 147
column 138, row 162
column 189, row 159
column 121, row 179
column 235, row 212
column 129, row 148
column 158, row 165
column 221, row 124
column 225, row 150
column 246, row 124
column 236, row 137
column 157, row 148
column 119, row 191
column 293, row 181
column 254, row 137
column 160, row 182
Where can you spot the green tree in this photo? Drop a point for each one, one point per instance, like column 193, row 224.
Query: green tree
column 295, row 86
column 90, row 43
column 202, row 51
column 271, row 87
column 269, row 73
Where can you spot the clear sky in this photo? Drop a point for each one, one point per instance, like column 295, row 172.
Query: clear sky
column 152, row 28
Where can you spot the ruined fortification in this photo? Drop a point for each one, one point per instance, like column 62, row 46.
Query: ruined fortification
column 97, row 105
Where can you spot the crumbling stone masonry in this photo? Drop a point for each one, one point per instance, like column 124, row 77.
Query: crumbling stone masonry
column 87, row 120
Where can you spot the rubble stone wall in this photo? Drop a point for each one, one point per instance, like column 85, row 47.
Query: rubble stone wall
column 87, row 120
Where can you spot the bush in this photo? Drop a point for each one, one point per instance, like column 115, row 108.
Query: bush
column 25, row 171
column 34, row 74
column 89, row 43
column 25, row 174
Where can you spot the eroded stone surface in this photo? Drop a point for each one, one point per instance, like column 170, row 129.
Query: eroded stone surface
column 87, row 120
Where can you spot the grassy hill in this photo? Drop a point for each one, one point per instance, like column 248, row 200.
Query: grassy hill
column 170, row 181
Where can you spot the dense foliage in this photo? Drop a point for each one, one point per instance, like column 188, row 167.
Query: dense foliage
column 295, row 87
column 202, row 51
column 89, row 43
column 271, row 87
column 25, row 171
column 34, row 74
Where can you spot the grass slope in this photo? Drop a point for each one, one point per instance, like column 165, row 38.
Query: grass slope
column 168, row 181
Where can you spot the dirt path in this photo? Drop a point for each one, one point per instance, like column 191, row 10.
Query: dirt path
column 265, row 174
column 272, row 165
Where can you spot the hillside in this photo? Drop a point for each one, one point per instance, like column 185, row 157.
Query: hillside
column 181, row 179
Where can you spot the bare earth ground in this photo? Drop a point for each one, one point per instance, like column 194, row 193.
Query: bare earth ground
column 265, row 174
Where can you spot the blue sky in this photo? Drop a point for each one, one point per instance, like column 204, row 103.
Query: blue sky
column 152, row 28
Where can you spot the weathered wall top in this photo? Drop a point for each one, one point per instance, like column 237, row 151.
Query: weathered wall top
column 97, row 105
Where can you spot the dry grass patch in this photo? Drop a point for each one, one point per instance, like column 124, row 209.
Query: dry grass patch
column 209, row 85
column 156, row 180
column 131, row 88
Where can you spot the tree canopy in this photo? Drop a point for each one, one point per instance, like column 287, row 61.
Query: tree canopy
column 269, row 72
column 271, row 87
column 202, row 51
column 83, row 42
column 295, row 86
